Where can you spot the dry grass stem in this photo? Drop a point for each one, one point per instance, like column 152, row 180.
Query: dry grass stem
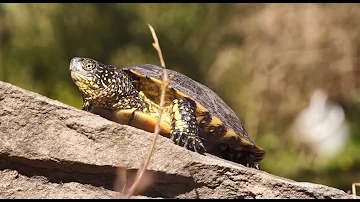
column 354, row 189
column 165, row 83
column 156, row 45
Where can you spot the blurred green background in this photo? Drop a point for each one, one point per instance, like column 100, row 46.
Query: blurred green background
column 264, row 60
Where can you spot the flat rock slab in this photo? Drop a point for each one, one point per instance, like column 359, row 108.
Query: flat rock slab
column 52, row 150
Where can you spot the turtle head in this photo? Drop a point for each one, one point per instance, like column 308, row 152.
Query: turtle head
column 99, row 84
column 83, row 70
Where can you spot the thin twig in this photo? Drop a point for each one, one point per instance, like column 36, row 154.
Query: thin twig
column 158, row 49
column 165, row 83
column 354, row 189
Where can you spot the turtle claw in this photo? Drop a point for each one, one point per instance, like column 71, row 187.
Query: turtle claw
column 86, row 106
column 201, row 148
column 253, row 165
column 190, row 142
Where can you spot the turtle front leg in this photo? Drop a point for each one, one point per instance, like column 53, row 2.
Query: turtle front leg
column 184, row 129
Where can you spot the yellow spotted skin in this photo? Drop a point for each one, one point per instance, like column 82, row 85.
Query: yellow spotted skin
column 127, row 96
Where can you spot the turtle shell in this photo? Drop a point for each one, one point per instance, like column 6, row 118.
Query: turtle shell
column 210, row 101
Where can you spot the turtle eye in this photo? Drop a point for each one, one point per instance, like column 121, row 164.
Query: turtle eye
column 88, row 65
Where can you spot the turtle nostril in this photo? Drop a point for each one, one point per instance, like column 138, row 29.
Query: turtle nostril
column 76, row 59
column 74, row 63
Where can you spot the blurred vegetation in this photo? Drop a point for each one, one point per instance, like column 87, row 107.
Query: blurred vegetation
column 264, row 60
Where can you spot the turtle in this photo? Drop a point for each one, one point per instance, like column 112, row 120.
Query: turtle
column 194, row 116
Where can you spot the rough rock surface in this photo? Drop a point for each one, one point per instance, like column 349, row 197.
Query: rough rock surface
column 52, row 150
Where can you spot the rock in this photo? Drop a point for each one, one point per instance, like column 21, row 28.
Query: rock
column 52, row 150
